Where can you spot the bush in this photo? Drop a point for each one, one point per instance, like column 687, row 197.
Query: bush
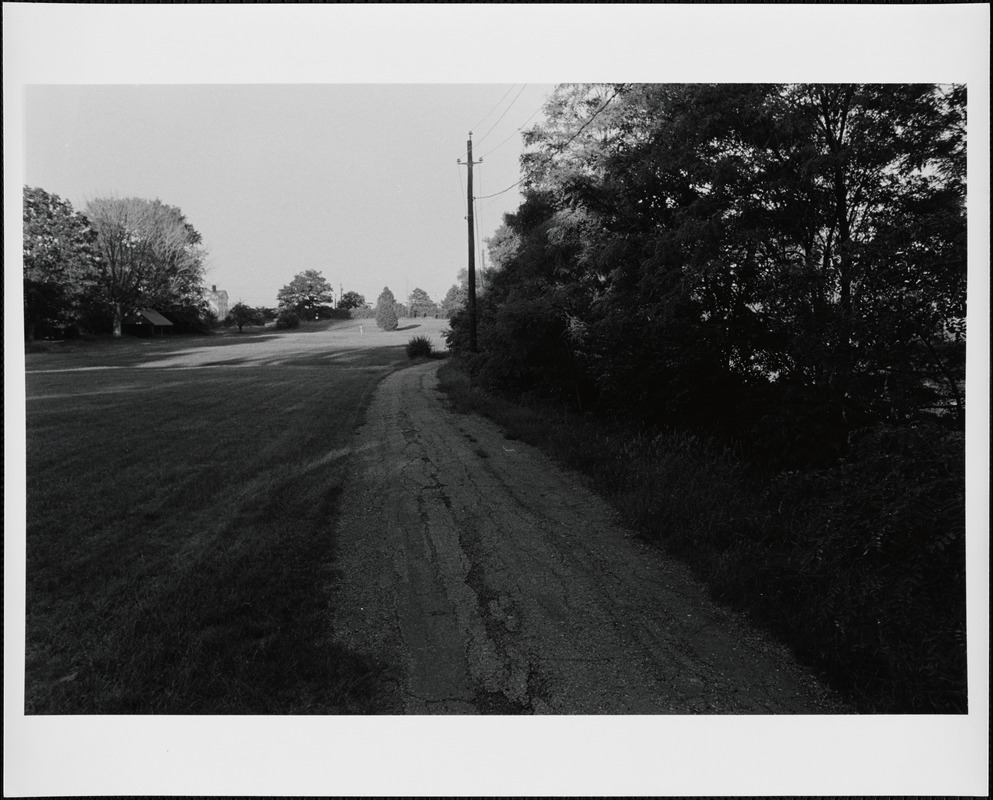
column 287, row 320
column 876, row 546
column 419, row 347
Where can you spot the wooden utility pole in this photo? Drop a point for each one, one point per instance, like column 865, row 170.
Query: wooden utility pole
column 471, row 300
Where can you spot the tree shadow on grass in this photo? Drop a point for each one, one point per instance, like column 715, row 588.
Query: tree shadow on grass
column 408, row 327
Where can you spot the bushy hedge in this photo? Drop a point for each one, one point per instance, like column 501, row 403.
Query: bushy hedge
column 871, row 553
column 419, row 347
column 287, row 320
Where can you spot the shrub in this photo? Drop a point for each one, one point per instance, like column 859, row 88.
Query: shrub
column 287, row 319
column 876, row 545
column 386, row 314
column 419, row 347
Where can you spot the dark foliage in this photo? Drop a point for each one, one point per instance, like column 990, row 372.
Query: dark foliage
column 778, row 270
column 419, row 347
column 287, row 320
column 859, row 567
column 60, row 263
column 190, row 318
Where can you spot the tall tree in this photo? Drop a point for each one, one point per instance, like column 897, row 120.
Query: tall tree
column 306, row 293
column 241, row 315
column 150, row 256
column 687, row 244
column 453, row 301
column 420, row 303
column 351, row 300
column 458, row 293
column 386, row 315
column 60, row 259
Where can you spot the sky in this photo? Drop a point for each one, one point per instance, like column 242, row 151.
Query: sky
column 325, row 136
column 357, row 181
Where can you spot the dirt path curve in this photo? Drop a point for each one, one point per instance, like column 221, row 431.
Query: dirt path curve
column 493, row 582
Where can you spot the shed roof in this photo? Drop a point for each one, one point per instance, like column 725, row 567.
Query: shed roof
column 147, row 316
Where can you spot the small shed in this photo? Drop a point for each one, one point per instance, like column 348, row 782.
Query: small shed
column 146, row 322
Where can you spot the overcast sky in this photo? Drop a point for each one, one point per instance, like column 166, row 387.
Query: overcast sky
column 358, row 181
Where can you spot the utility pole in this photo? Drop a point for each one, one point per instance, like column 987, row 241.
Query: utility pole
column 472, row 248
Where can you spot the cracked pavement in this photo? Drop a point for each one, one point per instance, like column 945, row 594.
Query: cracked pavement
column 488, row 580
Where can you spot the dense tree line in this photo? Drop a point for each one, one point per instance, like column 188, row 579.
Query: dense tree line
column 779, row 270
column 779, row 265
column 120, row 255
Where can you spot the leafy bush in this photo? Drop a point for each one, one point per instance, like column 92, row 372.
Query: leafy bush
column 287, row 320
column 876, row 547
column 419, row 347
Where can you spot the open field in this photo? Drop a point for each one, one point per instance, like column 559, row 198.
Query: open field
column 180, row 507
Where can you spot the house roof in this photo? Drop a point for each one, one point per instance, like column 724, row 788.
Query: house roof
column 146, row 316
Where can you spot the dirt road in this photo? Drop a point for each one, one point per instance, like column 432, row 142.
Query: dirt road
column 491, row 581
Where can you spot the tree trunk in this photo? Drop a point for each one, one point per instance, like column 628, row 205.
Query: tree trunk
column 118, row 320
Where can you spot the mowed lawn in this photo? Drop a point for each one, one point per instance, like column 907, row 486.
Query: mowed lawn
column 181, row 502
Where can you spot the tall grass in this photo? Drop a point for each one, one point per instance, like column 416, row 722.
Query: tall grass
column 860, row 568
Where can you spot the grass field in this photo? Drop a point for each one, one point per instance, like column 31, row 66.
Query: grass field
column 181, row 500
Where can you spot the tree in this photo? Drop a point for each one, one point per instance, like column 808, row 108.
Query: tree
column 351, row 300
column 150, row 256
column 453, row 301
column 386, row 315
column 60, row 259
column 241, row 315
column 458, row 294
column 420, row 303
column 777, row 263
column 308, row 291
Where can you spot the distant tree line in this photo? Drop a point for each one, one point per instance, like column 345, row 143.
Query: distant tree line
column 308, row 296
column 93, row 269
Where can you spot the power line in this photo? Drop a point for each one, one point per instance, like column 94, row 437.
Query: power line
column 517, row 131
column 562, row 147
column 503, row 191
column 496, row 106
column 525, row 86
